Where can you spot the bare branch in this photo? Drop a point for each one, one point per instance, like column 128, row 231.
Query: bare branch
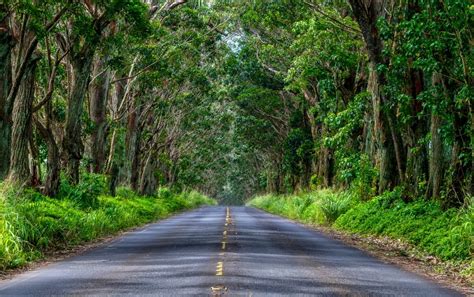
column 176, row 3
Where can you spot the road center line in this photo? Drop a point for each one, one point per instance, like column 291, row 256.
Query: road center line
column 220, row 264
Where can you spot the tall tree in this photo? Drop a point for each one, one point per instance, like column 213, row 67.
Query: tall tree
column 6, row 45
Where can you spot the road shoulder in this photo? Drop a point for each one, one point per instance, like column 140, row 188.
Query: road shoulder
column 401, row 254
column 55, row 256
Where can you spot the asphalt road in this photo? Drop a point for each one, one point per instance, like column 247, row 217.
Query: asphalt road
column 214, row 251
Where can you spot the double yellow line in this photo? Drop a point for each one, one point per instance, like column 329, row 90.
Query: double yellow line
column 219, row 290
column 228, row 222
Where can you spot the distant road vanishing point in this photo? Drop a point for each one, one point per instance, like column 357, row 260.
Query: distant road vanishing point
column 220, row 251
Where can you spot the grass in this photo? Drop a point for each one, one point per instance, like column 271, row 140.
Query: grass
column 32, row 224
column 445, row 234
column 321, row 207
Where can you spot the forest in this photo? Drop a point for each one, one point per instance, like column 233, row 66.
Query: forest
column 235, row 99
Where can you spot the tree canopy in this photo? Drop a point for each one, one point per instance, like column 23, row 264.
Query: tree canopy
column 235, row 98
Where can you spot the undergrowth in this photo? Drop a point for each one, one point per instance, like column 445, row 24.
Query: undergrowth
column 32, row 224
column 445, row 234
column 320, row 207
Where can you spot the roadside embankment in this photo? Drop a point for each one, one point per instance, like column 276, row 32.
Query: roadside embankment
column 32, row 225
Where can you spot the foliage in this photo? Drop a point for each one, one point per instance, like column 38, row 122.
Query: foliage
column 334, row 206
column 446, row 234
column 86, row 192
column 320, row 206
column 32, row 224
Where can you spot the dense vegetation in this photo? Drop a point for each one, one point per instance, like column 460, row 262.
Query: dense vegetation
column 234, row 98
column 237, row 97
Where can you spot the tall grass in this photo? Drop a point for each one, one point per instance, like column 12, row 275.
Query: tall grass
column 320, row 207
column 32, row 224
column 333, row 206
column 446, row 234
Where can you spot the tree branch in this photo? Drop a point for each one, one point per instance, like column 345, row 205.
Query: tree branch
column 32, row 47
column 175, row 4
column 52, row 77
column 340, row 24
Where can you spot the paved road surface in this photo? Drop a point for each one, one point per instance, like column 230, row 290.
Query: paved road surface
column 214, row 251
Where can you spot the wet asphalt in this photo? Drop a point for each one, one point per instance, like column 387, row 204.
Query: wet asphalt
column 215, row 251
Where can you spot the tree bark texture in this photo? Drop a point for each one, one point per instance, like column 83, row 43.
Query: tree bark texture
column 148, row 181
column 325, row 162
column 133, row 145
column 99, row 91
column 389, row 155
column 461, row 167
column 72, row 143
column 385, row 156
column 436, row 158
column 53, row 165
column 21, row 129
column 417, row 168
column 6, row 45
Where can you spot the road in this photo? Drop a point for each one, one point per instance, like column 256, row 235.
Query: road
column 219, row 251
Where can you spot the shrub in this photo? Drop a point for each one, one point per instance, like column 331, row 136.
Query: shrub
column 334, row 206
column 86, row 192
column 164, row 193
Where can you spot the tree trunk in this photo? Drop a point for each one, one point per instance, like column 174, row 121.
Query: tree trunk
column 114, row 172
column 325, row 162
column 367, row 14
column 133, row 144
column 6, row 44
column 417, row 170
column 385, row 150
column 436, row 158
column 35, row 166
column 51, row 185
column 21, row 130
column 98, row 99
column 461, row 187
column 312, row 101
column 325, row 167
column 72, row 143
column 148, row 182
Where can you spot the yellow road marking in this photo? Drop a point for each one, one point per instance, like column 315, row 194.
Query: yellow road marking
column 220, row 269
column 220, row 264
column 218, row 288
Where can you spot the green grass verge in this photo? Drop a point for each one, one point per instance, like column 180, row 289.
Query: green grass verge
column 32, row 224
column 445, row 234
